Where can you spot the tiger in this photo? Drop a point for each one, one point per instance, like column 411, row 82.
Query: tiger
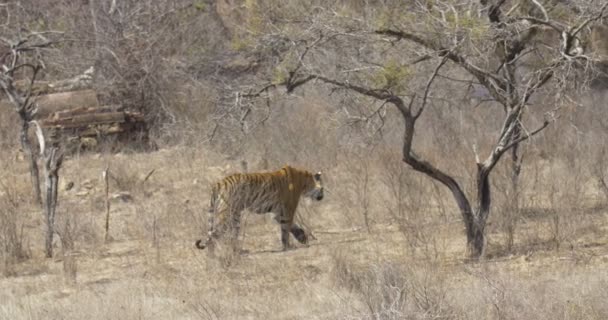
column 278, row 192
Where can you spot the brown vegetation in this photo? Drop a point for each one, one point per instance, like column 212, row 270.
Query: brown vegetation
column 209, row 77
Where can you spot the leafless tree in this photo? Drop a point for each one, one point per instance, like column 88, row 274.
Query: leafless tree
column 52, row 153
column 515, row 53
column 24, row 54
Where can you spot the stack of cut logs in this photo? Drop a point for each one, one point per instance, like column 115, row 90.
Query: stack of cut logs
column 70, row 107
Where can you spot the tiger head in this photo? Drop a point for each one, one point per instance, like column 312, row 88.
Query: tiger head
column 316, row 193
column 306, row 183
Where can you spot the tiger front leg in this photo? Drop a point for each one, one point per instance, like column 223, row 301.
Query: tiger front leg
column 285, row 229
column 299, row 233
column 285, row 219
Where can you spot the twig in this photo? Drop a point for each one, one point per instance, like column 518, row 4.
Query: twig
column 105, row 175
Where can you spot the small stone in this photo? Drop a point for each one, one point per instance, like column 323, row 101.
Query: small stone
column 123, row 196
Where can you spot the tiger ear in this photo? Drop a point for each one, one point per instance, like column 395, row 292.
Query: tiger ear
column 317, row 176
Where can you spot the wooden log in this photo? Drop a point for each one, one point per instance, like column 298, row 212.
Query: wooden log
column 85, row 110
column 50, row 103
column 86, row 120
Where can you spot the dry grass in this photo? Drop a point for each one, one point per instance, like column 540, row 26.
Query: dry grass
column 152, row 270
column 408, row 265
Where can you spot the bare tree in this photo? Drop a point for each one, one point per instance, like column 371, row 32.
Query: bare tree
column 514, row 56
column 52, row 152
column 24, row 53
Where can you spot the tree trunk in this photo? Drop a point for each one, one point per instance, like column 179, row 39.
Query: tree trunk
column 512, row 209
column 52, row 165
column 473, row 227
column 476, row 241
column 476, row 232
column 26, row 144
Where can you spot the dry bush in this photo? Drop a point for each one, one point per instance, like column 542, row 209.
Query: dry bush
column 415, row 206
column 390, row 291
column 559, row 188
column 356, row 188
column 9, row 132
column 507, row 215
column 127, row 176
column 68, row 229
column 13, row 241
column 492, row 294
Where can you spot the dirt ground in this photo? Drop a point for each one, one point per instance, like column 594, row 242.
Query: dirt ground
column 150, row 269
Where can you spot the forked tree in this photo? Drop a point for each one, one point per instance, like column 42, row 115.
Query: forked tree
column 514, row 50
column 23, row 55
column 16, row 60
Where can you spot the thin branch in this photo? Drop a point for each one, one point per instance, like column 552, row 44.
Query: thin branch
column 525, row 137
column 303, row 55
column 492, row 82
column 28, row 95
column 552, row 24
column 599, row 16
column 259, row 92
column 542, row 9
column 428, row 87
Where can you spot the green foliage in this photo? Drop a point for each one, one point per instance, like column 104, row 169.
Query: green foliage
column 393, row 76
column 255, row 20
column 279, row 75
column 240, row 43
column 199, row 5
column 281, row 72
column 253, row 26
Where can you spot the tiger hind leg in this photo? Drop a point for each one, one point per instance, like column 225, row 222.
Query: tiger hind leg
column 212, row 234
column 235, row 229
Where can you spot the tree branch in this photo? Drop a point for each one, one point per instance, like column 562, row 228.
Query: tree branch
column 428, row 87
column 525, row 137
column 600, row 15
column 492, row 82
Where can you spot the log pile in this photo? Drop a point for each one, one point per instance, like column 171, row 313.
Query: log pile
column 95, row 121
column 88, row 127
column 70, row 107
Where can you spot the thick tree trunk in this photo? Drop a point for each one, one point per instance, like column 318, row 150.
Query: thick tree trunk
column 476, row 233
column 476, row 242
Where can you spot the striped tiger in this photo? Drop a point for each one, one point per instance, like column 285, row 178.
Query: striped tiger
column 277, row 192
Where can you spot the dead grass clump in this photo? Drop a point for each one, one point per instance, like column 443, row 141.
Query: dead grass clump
column 128, row 179
column 358, row 184
column 13, row 247
column 495, row 294
column 125, row 177
column 390, row 291
column 68, row 230
column 416, row 205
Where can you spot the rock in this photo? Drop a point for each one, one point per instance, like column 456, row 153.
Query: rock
column 123, row 196
column 68, row 186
